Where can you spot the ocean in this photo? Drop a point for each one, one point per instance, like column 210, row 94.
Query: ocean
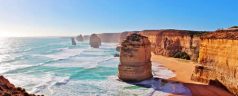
column 54, row 67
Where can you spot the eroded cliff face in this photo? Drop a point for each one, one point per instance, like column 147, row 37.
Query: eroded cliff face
column 218, row 57
column 152, row 36
column 170, row 42
column 8, row 89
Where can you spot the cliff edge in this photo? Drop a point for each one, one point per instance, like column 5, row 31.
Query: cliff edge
column 8, row 89
column 172, row 43
column 218, row 57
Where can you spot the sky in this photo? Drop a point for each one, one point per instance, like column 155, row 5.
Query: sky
column 21, row 18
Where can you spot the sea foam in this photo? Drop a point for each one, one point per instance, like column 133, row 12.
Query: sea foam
column 54, row 67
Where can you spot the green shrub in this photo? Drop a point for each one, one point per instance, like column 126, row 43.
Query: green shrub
column 234, row 27
column 6, row 94
column 182, row 55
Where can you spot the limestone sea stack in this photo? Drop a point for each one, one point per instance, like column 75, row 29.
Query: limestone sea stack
column 79, row 38
column 95, row 41
column 73, row 41
column 135, row 63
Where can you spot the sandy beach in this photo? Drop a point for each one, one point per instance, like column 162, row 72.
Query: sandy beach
column 183, row 70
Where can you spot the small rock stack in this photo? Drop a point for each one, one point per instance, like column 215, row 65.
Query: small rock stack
column 95, row 41
column 73, row 41
column 135, row 63
column 79, row 38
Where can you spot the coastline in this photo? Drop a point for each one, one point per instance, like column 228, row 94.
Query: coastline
column 183, row 70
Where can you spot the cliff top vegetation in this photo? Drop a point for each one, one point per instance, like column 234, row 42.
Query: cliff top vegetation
column 234, row 27
column 222, row 34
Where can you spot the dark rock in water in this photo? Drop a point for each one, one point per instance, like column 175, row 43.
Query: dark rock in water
column 135, row 54
column 73, row 41
column 8, row 89
column 118, row 48
column 95, row 41
column 79, row 38
column 116, row 55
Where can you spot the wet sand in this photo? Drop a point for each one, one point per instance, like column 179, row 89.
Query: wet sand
column 183, row 70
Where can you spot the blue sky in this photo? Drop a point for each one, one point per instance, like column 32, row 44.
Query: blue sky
column 72, row 17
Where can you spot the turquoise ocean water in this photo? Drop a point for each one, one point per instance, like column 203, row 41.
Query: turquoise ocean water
column 53, row 67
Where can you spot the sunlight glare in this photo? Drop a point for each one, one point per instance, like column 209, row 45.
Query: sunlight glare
column 10, row 34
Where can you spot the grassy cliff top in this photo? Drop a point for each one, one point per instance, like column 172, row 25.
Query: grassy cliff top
column 230, row 33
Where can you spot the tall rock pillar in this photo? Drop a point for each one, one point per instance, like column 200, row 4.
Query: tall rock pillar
column 135, row 63
column 95, row 41
column 73, row 41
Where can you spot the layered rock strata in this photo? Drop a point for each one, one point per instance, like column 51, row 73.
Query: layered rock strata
column 169, row 42
column 135, row 63
column 201, row 74
column 219, row 58
column 95, row 41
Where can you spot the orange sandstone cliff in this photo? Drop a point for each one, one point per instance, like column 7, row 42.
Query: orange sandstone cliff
column 218, row 57
column 171, row 42
column 8, row 89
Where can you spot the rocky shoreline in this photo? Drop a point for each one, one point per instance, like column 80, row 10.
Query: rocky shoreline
column 8, row 89
column 215, row 55
column 215, row 52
